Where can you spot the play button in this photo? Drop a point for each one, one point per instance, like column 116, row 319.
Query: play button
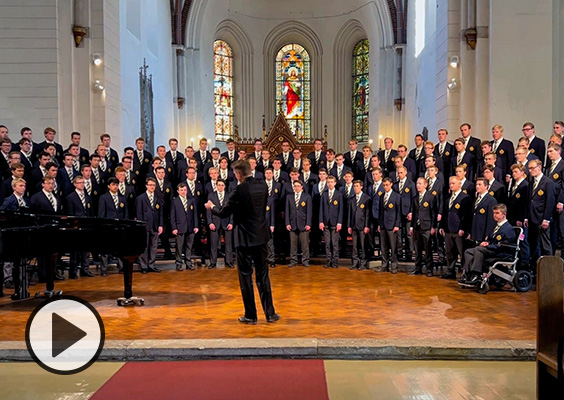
column 65, row 336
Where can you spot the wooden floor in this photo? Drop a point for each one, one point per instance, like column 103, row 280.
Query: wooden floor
column 313, row 303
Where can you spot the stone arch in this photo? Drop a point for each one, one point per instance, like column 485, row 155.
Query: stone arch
column 233, row 34
column 293, row 32
column 348, row 36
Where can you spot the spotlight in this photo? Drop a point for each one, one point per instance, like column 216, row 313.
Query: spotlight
column 454, row 60
column 96, row 59
column 98, row 86
column 453, row 84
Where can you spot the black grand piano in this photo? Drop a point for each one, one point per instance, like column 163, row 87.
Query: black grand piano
column 26, row 235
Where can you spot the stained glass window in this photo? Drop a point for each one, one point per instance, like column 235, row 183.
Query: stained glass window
column 223, row 89
column 360, row 91
column 293, row 88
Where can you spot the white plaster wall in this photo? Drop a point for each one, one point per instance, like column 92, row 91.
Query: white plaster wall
column 28, row 65
column 145, row 32
column 521, row 65
column 558, row 66
column 421, row 77
column 256, row 19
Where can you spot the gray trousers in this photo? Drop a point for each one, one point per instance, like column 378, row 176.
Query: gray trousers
column 388, row 242
column 537, row 236
column 104, row 263
column 304, row 241
column 454, row 246
column 270, row 254
column 331, row 237
column 358, row 250
column 7, row 267
column 422, row 242
column 184, row 243
column 149, row 256
column 215, row 244
column 474, row 259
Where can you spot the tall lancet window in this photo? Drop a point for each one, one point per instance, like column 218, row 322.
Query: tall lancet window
column 223, row 89
column 360, row 127
column 293, row 88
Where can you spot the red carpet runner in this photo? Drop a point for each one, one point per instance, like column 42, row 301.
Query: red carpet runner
column 222, row 380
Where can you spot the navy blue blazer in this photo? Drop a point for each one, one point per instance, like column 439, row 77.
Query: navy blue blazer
column 260, row 165
column 66, row 183
column 322, row 161
column 543, row 201
column 202, row 161
column 215, row 219
column 376, row 197
column 557, row 176
column 483, row 221
column 300, row 216
column 282, row 178
column 184, row 220
column 538, row 147
column 39, row 201
column 153, row 216
column 331, row 213
column 424, row 214
column 459, row 216
column 437, row 191
column 505, row 156
column 270, row 215
column 390, row 212
column 359, row 171
column 469, row 188
column 107, row 207
column 11, row 203
column 388, row 166
column 471, row 164
column 359, row 214
column 447, row 155
column 312, row 180
column 518, row 202
column 505, row 234
column 407, row 194
column 352, row 163
column 334, row 172
column 498, row 191
column 75, row 206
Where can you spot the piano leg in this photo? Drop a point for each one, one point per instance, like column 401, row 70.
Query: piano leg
column 128, row 299
column 50, row 272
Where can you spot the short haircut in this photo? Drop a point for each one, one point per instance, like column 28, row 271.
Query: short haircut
column 119, row 169
column 104, row 136
column 298, row 182
column 377, row 169
column 524, row 139
column 491, row 153
column 242, row 167
column 466, row 124
column 554, row 146
column 561, row 123
column 50, row 165
column 16, row 181
column 490, row 168
column 462, row 167
column 330, row 151
column 72, row 134
column 353, row 141
column 485, row 143
column 77, row 178
column 459, row 140
column 294, row 170
column 113, row 180
column 24, row 129
column 49, row 129
column 536, row 161
column 149, row 179
column 484, row 181
column 182, row 185
column 500, row 207
column 529, row 124
column 332, row 178
column 403, row 146
column 443, row 130
column 322, row 170
column 349, row 173
column 23, row 140
column 367, row 147
column 518, row 166
column 139, row 139
column 16, row 166
column 497, row 127
column 386, row 179
column 359, row 182
column 94, row 155
column 84, row 166
column 423, row 179
column 172, row 140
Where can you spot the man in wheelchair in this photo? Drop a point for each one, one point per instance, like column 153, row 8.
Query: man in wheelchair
column 492, row 247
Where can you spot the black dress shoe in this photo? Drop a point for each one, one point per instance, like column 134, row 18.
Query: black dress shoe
column 429, row 272
column 59, row 277
column 292, row 265
column 272, row 265
column 248, row 321
column 16, row 296
column 73, row 275
column 273, row 318
column 353, row 267
column 153, row 269
column 104, row 273
column 306, row 265
column 230, row 266
column 211, row 266
column 327, row 266
column 168, row 256
column 473, row 280
column 448, row 275
column 85, row 272
column 143, row 270
column 416, row 271
column 190, row 267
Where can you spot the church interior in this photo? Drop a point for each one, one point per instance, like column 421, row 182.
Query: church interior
column 302, row 78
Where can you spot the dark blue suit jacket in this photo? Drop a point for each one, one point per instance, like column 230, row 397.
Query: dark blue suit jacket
column 483, row 221
column 75, row 206
column 40, row 202
column 376, row 197
column 359, row 214
column 215, row 219
column 390, row 213
column 518, row 202
column 181, row 220
column 406, row 195
column 322, row 162
column 424, row 214
column 543, row 201
column 331, row 214
column 298, row 217
column 505, row 156
column 11, row 203
column 459, row 216
column 538, row 148
column 505, row 234
column 107, row 207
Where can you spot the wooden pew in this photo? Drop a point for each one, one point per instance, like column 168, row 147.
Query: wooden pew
column 550, row 326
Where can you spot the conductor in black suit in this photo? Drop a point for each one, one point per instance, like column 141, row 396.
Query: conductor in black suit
column 248, row 203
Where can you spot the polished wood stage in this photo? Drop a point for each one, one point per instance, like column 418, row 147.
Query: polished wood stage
column 313, row 302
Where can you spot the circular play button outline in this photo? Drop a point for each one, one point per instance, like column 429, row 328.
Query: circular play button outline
column 80, row 330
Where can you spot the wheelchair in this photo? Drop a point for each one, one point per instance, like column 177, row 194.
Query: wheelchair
column 504, row 271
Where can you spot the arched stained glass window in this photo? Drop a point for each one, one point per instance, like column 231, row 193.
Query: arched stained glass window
column 293, row 88
column 360, row 127
column 223, row 89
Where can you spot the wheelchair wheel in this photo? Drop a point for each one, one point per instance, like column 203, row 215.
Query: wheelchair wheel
column 522, row 281
column 483, row 288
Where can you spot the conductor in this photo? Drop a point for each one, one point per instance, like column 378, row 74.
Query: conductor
column 247, row 203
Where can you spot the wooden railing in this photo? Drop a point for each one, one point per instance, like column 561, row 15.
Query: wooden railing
column 550, row 328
